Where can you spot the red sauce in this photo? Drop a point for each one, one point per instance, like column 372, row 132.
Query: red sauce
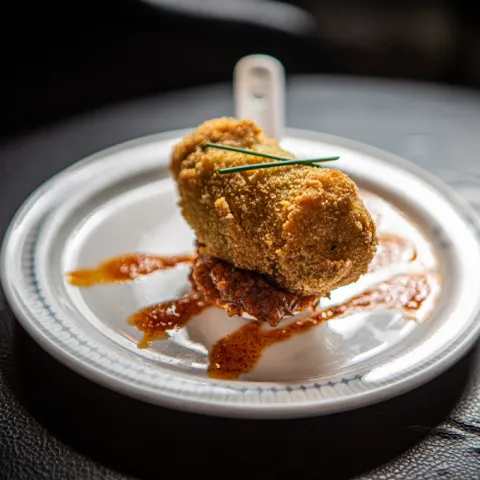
column 124, row 268
column 392, row 250
column 156, row 320
column 238, row 353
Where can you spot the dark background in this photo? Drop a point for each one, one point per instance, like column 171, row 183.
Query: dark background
column 63, row 57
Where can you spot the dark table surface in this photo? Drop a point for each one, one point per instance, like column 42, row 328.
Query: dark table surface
column 55, row 424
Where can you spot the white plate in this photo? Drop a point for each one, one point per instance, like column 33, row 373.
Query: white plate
column 123, row 200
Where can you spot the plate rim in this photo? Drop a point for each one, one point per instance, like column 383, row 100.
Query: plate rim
column 230, row 409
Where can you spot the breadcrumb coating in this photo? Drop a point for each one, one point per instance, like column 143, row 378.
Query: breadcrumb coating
column 304, row 227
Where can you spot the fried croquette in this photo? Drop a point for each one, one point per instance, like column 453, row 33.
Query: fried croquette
column 304, row 227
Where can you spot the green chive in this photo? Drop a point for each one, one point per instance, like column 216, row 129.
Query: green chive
column 308, row 162
column 283, row 160
column 247, row 152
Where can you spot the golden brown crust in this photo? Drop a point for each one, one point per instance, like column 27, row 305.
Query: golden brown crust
column 305, row 227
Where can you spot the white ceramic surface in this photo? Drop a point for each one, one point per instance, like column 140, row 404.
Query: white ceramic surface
column 123, row 200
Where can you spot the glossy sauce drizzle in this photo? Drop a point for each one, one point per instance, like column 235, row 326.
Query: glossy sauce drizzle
column 238, row 353
column 124, row 268
column 156, row 320
column 392, row 250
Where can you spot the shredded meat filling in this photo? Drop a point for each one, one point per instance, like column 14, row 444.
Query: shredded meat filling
column 241, row 291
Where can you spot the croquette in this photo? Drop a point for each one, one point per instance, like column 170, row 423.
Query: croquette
column 304, row 227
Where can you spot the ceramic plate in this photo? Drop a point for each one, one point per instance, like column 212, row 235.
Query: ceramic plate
column 123, row 200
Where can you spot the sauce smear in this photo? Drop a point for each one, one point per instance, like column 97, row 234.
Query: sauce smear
column 125, row 268
column 217, row 283
column 392, row 250
column 154, row 321
column 238, row 353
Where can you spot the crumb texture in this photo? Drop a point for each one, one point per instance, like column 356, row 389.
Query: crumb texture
column 304, row 227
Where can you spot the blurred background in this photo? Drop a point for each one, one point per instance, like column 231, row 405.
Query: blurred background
column 63, row 58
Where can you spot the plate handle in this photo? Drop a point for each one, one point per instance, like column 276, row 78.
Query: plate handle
column 259, row 92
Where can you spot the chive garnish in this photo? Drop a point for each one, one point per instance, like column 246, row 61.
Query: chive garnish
column 247, row 152
column 311, row 162
column 308, row 162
